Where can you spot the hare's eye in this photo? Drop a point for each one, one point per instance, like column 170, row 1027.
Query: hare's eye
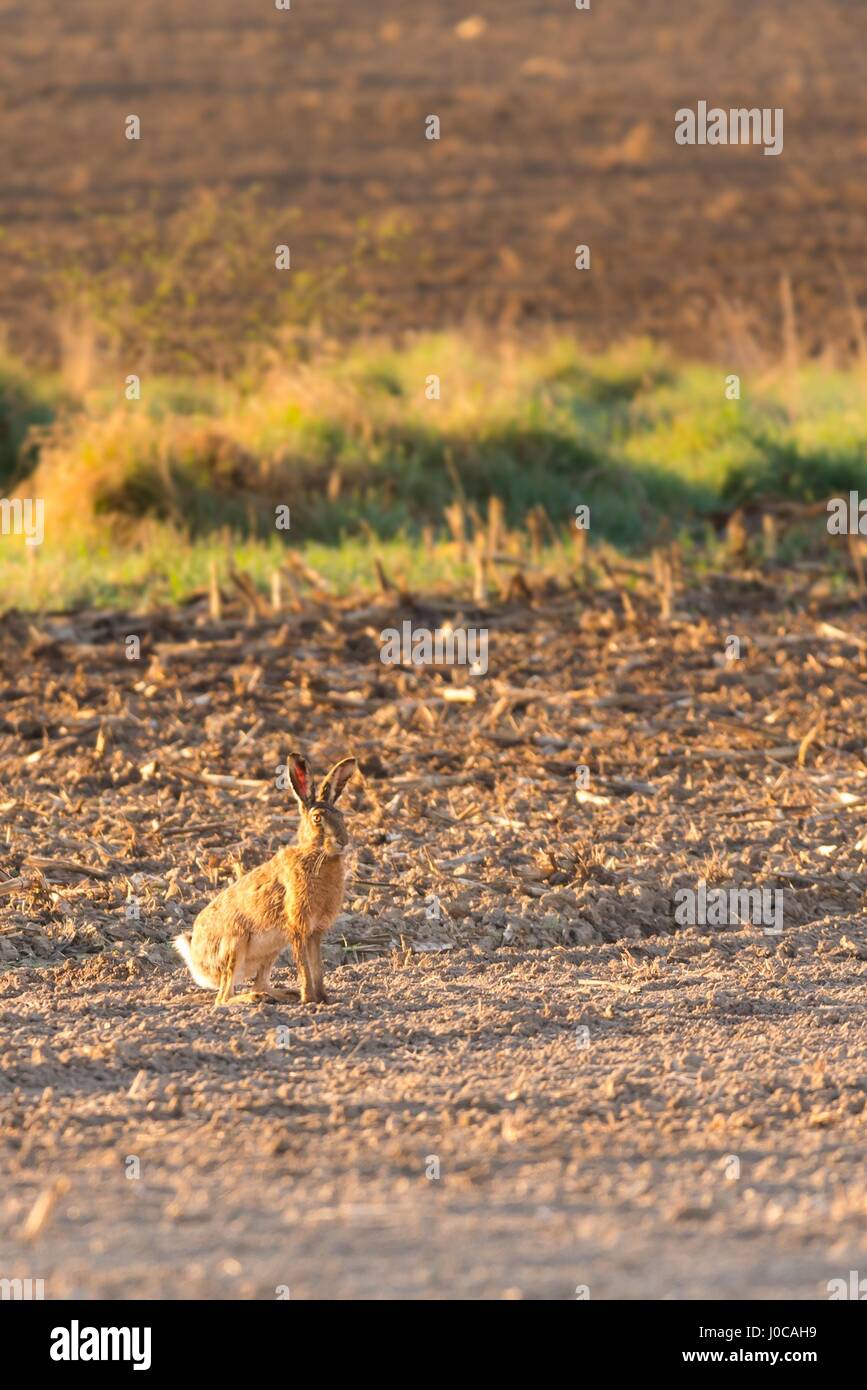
column 317, row 819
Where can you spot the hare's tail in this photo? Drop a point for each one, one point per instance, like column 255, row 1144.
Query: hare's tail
column 183, row 946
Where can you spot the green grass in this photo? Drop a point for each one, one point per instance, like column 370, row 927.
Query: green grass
column 163, row 569
column 28, row 400
column 138, row 494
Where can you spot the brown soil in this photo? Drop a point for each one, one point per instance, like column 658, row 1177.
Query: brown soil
column 613, row 1100
column 557, row 129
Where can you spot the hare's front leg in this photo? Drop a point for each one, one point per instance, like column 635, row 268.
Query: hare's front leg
column 299, row 952
column 313, row 947
column 309, row 967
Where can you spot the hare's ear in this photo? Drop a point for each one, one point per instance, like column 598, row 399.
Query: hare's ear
column 301, row 780
column 336, row 779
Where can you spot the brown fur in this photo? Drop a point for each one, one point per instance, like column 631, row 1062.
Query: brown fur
column 290, row 901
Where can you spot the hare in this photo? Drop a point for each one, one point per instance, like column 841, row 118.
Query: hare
column 290, row 901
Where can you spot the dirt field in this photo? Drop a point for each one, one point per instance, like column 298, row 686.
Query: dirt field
column 534, row 1079
column 557, row 129
column 611, row 1100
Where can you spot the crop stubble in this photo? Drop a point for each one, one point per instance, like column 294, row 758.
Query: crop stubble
column 141, row 787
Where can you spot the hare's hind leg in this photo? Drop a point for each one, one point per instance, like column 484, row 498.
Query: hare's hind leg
column 262, row 982
column 226, row 985
column 263, row 990
column 227, row 977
